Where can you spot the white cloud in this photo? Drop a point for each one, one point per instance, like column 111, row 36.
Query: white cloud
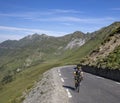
column 58, row 15
column 30, row 31
column 18, row 33
column 65, row 11
column 35, row 14
column 10, row 37
column 116, row 9
column 67, row 24
column 70, row 19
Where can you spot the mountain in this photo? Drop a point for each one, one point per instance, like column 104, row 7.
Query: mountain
column 95, row 40
column 23, row 61
column 35, row 49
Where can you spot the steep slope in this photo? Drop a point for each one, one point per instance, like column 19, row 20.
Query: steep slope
column 107, row 54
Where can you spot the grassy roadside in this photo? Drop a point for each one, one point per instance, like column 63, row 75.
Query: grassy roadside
column 12, row 92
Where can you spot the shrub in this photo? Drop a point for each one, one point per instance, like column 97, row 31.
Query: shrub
column 6, row 79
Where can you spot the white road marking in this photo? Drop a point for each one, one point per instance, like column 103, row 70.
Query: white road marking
column 69, row 94
column 100, row 77
column 58, row 71
column 68, row 78
column 62, row 79
column 59, row 74
column 117, row 83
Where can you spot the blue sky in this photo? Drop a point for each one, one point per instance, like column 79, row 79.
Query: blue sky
column 19, row 18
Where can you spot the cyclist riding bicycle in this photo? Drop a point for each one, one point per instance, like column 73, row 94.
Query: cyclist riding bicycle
column 78, row 75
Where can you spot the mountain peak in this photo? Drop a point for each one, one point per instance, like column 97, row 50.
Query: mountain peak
column 78, row 32
column 29, row 37
column 44, row 35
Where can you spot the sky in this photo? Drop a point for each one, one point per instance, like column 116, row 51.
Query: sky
column 19, row 18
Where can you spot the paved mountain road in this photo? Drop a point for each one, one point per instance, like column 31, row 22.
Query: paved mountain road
column 93, row 89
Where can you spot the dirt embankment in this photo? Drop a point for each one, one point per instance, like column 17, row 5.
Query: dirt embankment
column 107, row 47
column 48, row 90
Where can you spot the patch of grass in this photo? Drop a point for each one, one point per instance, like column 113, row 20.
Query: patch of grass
column 12, row 92
column 112, row 61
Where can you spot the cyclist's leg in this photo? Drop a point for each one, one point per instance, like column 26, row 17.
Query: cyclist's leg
column 75, row 83
column 78, row 85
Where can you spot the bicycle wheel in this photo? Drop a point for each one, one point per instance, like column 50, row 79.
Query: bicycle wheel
column 77, row 86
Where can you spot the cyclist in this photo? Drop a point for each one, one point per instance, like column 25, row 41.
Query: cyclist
column 78, row 75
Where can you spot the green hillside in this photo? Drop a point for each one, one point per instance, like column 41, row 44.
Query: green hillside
column 24, row 61
column 34, row 49
column 111, row 61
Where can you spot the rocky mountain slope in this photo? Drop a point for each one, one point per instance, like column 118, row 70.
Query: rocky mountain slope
column 96, row 38
column 107, row 54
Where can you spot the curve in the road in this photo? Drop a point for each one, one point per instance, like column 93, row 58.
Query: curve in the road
column 93, row 89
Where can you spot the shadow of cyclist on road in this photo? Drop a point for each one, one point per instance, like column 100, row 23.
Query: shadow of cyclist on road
column 69, row 87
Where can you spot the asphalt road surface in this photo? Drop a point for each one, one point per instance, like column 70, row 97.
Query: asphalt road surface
column 93, row 89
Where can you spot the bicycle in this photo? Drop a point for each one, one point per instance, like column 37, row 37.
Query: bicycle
column 77, row 84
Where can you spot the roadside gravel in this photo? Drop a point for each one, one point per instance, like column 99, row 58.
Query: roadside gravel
column 48, row 90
